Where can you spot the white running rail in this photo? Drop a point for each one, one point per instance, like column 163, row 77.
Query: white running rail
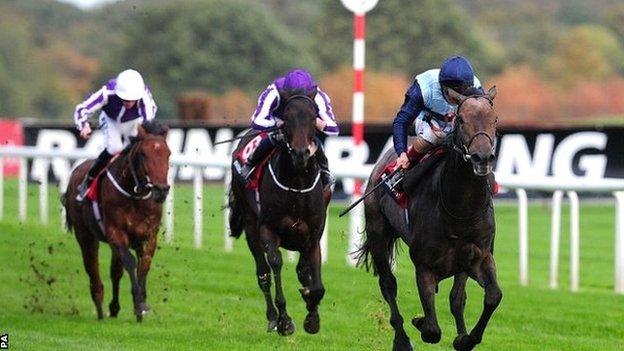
column 557, row 186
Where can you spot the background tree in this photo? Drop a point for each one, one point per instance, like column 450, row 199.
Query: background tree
column 404, row 36
column 215, row 45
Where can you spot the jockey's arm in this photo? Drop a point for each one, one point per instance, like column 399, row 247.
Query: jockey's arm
column 90, row 106
column 411, row 108
column 268, row 101
column 148, row 107
column 326, row 114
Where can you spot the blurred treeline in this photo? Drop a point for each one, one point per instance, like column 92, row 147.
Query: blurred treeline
column 551, row 59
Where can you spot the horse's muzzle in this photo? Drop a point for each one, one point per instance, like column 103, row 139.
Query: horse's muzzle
column 482, row 163
column 160, row 192
column 300, row 157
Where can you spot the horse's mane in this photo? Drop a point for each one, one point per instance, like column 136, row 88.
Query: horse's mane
column 155, row 127
column 472, row 91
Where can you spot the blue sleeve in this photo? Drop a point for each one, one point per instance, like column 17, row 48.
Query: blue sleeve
column 411, row 108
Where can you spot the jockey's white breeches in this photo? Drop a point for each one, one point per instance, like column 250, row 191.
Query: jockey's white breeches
column 117, row 135
column 434, row 135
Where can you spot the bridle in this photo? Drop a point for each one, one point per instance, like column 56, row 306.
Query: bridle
column 142, row 189
column 289, row 100
column 457, row 140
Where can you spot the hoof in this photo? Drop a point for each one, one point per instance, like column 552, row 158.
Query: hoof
column 139, row 318
column 402, row 345
column 312, row 323
column 428, row 335
column 464, row 343
column 141, row 310
column 272, row 326
column 285, row 326
column 113, row 310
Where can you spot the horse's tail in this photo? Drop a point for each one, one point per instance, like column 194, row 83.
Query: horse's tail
column 363, row 254
column 236, row 215
column 69, row 225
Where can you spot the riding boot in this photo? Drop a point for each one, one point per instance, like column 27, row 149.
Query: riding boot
column 415, row 153
column 326, row 177
column 262, row 151
column 95, row 169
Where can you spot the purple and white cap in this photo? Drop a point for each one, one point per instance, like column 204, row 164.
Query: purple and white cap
column 297, row 79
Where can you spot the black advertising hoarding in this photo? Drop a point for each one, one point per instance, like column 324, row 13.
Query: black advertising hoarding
column 587, row 153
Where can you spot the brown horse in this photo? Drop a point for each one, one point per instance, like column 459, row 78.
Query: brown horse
column 451, row 226
column 292, row 215
column 131, row 193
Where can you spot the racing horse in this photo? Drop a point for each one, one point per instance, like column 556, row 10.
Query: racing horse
column 130, row 194
column 290, row 213
column 449, row 226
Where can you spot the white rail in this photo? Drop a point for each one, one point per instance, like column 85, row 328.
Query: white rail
column 519, row 184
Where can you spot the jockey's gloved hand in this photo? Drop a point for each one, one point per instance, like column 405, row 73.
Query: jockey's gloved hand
column 277, row 136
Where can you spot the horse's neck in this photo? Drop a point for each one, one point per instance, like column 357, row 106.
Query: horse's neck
column 119, row 169
column 464, row 194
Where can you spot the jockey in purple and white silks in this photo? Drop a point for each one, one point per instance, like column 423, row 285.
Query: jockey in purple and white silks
column 426, row 102
column 267, row 115
column 124, row 103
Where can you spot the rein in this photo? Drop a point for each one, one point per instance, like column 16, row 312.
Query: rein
column 135, row 193
column 290, row 150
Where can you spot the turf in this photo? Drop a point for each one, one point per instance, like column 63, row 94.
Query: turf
column 208, row 299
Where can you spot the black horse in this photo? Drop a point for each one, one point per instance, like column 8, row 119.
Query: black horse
column 290, row 213
column 451, row 226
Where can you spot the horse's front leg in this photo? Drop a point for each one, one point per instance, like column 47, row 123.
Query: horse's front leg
column 119, row 242
column 309, row 272
column 271, row 243
column 484, row 272
column 457, row 300
column 145, row 251
column 428, row 325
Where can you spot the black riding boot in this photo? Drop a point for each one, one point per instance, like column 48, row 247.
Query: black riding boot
column 326, row 177
column 262, row 151
column 96, row 168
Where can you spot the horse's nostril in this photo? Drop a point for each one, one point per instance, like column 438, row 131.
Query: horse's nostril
column 491, row 158
column 475, row 158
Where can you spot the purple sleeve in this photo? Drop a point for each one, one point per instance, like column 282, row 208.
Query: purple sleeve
column 267, row 102
column 92, row 104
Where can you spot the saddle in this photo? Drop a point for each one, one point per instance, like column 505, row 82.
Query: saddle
column 391, row 183
column 241, row 156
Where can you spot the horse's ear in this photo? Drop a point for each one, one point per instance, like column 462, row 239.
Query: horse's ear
column 284, row 95
column 492, row 93
column 141, row 132
column 164, row 131
column 311, row 94
column 454, row 97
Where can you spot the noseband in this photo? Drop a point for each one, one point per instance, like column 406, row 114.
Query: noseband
column 457, row 140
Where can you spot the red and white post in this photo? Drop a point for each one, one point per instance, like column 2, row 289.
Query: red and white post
column 359, row 9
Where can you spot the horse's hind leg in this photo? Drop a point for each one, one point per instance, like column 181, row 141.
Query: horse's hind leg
column 116, row 272
column 428, row 325
column 457, row 300
column 485, row 274
column 379, row 244
column 263, row 273
column 285, row 325
column 89, row 247
column 309, row 273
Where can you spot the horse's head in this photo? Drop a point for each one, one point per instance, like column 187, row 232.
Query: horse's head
column 299, row 127
column 149, row 161
column 474, row 134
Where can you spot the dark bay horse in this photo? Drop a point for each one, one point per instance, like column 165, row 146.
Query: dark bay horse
column 130, row 196
column 451, row 226
column 291, row 214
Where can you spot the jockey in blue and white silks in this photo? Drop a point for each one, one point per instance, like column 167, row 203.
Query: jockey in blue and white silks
column 267, row 115
column 426, row 102
column 124, row 103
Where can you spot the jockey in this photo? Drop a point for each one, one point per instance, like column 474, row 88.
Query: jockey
column 124, row 102
column 426, row 102
column 267, row 115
